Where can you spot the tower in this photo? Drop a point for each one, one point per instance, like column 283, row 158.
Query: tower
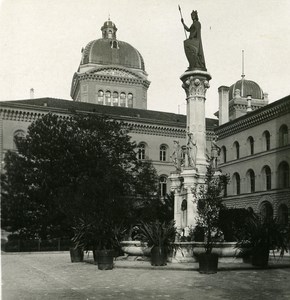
column 111, row 72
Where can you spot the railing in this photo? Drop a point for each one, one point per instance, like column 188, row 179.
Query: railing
column 16, row 245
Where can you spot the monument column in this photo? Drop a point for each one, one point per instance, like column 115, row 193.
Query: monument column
column 195, row 84
column 190, row 172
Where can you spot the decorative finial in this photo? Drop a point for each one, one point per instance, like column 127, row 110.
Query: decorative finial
column 109, row 17
column 243, row 64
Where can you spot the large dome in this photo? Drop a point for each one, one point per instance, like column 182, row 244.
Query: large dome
column 246, row 87
column 110, row 51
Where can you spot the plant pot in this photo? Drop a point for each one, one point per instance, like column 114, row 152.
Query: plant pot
column 76, row 255
column 260, row 258
column 208, row 263
column 104, row 259
column 158, row 256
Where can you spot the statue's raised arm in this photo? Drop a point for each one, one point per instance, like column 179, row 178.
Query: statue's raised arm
column 193, row 45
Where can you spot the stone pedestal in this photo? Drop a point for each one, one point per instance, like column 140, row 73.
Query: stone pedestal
column 187, row 180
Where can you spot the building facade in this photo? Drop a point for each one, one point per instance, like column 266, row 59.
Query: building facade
column 255, row 150
column 111, row 80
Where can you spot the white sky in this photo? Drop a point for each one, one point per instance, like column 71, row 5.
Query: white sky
column 41, row 41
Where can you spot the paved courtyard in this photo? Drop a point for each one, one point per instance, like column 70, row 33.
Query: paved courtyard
column 53, row 276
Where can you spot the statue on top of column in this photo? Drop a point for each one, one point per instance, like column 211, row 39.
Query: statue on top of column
column 193, row 45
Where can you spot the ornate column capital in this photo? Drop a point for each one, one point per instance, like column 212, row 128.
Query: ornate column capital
column 195, row 88
column 195, row 83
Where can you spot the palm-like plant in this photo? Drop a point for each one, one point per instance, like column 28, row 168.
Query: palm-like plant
column 260, row 235
column 95, row 236
column 157, row 233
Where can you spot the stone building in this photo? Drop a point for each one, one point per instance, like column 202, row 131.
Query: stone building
column 111, row 72
column 255, row 151
column 111, row 80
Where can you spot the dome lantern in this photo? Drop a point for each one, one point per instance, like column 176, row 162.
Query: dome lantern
column 109, row 30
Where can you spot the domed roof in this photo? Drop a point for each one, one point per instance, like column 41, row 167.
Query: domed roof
column 109, row 51
column 246, row 87
column 112, row 52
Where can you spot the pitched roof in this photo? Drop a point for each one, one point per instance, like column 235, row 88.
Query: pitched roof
column 141, row 115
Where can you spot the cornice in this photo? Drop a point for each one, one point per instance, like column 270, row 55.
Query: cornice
column 255, row 156
column 99, row 74
column 113, row 79
column 30, row 113
column 151, row 129
column 254, row 118
column 278, row 192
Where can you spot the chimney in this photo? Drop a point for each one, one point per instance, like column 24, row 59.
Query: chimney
column 32, row 93
column 223, row 104
column 266, row 97
column 249, row 106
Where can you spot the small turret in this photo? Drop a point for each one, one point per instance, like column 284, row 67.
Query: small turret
column 109, row 30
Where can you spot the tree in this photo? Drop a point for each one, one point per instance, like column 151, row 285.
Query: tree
column 209, row 205
column 66, row 168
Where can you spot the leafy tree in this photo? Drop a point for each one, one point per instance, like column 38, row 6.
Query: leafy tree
column 66, row 168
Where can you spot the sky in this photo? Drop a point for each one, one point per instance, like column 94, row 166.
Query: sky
column 41, row 42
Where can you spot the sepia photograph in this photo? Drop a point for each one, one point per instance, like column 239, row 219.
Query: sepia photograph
column 145, row 149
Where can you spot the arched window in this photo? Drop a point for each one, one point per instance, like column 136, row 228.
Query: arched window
column 266, row 173
column 130, row 100
column 283, row 214
column 110, row 34
column 283, row 175
column 237, row 150
column 108, row 98
column 162, row 153
column 123, row 99
column 115, row 99
column 18, row 134
column 223, row 154
column 237, row 183
column 250, row 144
column 251, row 181
column 283, row 136
column 163, row 186
column 114, row 44
column 266, row 140
column 266, row 211
column 100, row 97
column 141, row 151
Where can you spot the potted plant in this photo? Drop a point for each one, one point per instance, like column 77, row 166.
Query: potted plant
column 100, row 237
column 261, row 235
column 159, row 236
column 77, row 251
column 209, row 204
